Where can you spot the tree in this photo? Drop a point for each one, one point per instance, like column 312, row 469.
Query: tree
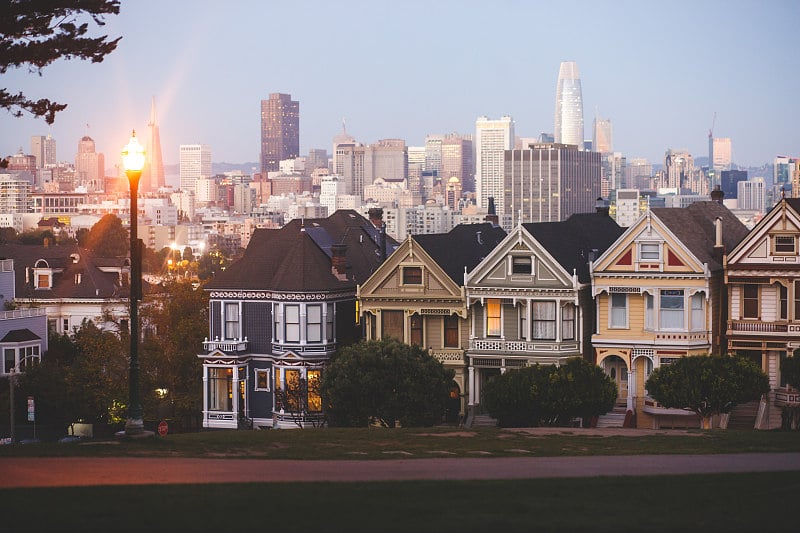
column 108, row 238
column 385, row 381
column 36, row 34
column 708, row 385
column 549, row 395
column 790, row 370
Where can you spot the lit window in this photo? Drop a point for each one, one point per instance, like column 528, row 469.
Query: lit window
column 43, row 281
column 412, row 276
column 262, row 380
column 220, row 389
column 314, row 396
column 619, row 311
column 671, row 309
column 493, row 318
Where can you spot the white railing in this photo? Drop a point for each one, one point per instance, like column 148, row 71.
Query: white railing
column 521, row 346
column 234, row 345
column 22, row 313
column 448, row 356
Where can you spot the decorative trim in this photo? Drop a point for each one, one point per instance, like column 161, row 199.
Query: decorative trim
column 280, row 296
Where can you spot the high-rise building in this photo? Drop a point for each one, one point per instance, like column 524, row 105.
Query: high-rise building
column 638, row 173
column 601, row 140
column 44, row 150
column 457, row 160
column 679, row 166
column 628, row 206
column 785, row 169
column 492, row 139
column 569, row 106
column 729, row 180
column 721, row 154
column 433, row 153
column 15, row 194
column 317, row 158
column 550, row 182
column 89, row 166
column 360, row 165
column 280, row 131
column 153, row 171
column 416, row 166
column 194, row 163
column 751, row 195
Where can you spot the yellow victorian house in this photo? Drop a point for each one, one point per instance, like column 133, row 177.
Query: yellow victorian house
column 660, row 296
column 417, row 295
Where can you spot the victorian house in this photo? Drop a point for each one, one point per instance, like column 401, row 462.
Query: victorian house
column 418, row 297
column 763, row 281
column 660, row 296
column 280, row 312
column 530, row 300
column 23, row 332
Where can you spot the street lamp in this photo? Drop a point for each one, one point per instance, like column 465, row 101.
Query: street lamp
column 133, row 162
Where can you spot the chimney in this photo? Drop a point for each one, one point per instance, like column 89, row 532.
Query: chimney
column 339, row 261
column 601, row 206
column 376, row 216
column 717, row 195
column 719, row 248
column 491, row 215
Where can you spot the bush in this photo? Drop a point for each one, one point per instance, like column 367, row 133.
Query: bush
column 549, row 395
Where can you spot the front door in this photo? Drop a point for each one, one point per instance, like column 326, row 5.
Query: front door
column 484, row 375
column 615, row 368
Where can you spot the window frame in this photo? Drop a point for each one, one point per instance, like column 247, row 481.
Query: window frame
column 293, row 325
column 494, row 322
column 258, row 375
column 776, row 245
column 670, row 313
column 230, row 324
column 612, row 316
column 544, row 328
column 316, row 326
column 416, row 329
column 747, row 301
column 412, row 275
column 521, row 265
column 568, row 330
column 643, row 252
column 451, row 327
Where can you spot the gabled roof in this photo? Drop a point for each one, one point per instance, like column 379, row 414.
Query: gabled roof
column 462, row 247
column 577, row 240
column 20, row 335
column 297, row 257
column 67, row 261
column 694, row 226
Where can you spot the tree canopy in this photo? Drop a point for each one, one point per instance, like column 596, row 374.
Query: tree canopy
column 708, row 385
column 385, row 381
column 35, row 33
column 108, row 238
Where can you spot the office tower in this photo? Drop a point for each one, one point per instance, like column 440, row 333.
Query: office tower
column 89, row 166
column 569, row 105
column 784, row 168
column 751, row 195
column 638, row 172
column 195, row 163
column 342, row 138
column 457, row 161
column 545, row 137
column 550, row 182
column 601, row 139
column 729, row 180
column 721, row 154
column 317, row 158
column 612, row 169
column 416, row 165
column 389, row 161
column 679, row 166
column 280, row 131
column 433, row 153
column 15, row 194
column 492, row 139
column 153, row 171
column 453, row 193
column 44, row 150
column 628, row 207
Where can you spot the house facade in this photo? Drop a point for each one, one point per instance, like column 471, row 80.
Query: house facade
column 23, row 332
column 418, row 296
column 530, row 300
column 279, row 313
column 660, row 296
column 762, row 276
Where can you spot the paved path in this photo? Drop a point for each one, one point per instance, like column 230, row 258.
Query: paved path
column 55, row 472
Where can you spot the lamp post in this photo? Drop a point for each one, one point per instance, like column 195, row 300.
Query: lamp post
column 133, row 162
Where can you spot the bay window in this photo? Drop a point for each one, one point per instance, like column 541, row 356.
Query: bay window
column 671, row 310
column 231, row 311
column 220, row 389
column 698, row 312
column 314, row 323
column 543, row 320
column 750, row 305
column 568, row 322
column 291, row 319
column 493, row 328
column 619, row 311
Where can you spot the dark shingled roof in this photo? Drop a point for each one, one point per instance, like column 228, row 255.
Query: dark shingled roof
column 95, row 284
column 577, row 240
column 694, row 226
column 462, row 247
column 20, row 335
column 297, row 257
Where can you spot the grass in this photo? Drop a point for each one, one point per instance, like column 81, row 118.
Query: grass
column 375, row 443
column 721, row 502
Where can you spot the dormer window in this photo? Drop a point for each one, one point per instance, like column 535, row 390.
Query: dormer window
column 785, row 244
column 649, row 252
column 42, row 275
column 412, row 275
column 521, row 265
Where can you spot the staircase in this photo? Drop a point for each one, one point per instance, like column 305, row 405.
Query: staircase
column 614, row 418
column 743, row 416
column 483, row 421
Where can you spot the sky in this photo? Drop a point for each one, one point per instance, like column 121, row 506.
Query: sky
column 664, row 73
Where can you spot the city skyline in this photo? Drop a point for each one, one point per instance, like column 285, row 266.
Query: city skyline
column 662, row 74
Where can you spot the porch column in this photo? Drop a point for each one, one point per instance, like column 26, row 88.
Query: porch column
column 205, row 395
column 471, row 382
column 631, row 388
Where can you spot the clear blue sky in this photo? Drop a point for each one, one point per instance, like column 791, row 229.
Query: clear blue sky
column 658, row 70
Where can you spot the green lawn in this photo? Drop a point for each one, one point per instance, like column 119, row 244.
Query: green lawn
column 723, row 502
column 377, row 443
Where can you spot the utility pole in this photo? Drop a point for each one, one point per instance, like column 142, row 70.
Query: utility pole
column 11, row 403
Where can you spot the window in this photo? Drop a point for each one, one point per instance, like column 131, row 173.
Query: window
column 698, row 312
column 314, row 323
column 521, row 265
column 543, row 320
column 293, row 391
column 329, row 323
column 220, row 389
column 619, row 311
column 784, row 244
column 649, row 314
column 671, row 310
column 231, row 320
column 783, row 297
column 43, row 281
column 523, row 321
column 451, row 331
column 65, row 325
column 416, row 330
column 649, row 252
column 412, row 276
column 568, row 322
column 750, row 300
column 314, row 397
column 9, row 359
column 493, row 318
column 262, row 380
column 291, row 319
column 392, row 325
column 797, row 300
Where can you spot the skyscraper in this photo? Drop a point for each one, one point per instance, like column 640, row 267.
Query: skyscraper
column 457, row 161
column 153, row 172
column 44, row 149
column 721, row 154
column 492, row 139
column 569, row 105
column 601, row 137
column 195, row 163
column 280, row 131
column 89, row 165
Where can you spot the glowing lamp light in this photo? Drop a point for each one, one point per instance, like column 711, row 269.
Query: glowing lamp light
column 133, row 155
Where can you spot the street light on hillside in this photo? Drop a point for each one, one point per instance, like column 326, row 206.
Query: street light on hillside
column 133, row 163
